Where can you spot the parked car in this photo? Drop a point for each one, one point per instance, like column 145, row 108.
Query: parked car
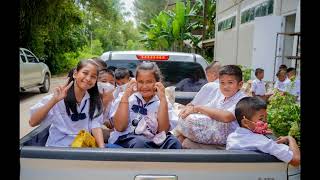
column 33, row 72
column 40, row 162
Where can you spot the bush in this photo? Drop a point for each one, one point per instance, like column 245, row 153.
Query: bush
column 284, row 115
column 246, row 73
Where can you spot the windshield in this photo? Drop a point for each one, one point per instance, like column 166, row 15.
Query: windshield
column 185, row 76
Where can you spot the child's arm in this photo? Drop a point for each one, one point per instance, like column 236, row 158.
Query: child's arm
column 59, row 94
column 217, row 114
column 163, row 115
column 295, row 161
column 122, row 114
column 98, row 135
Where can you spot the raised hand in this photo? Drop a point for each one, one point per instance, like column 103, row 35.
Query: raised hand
column 160, row 90
column 131, row 87
column 60, row 92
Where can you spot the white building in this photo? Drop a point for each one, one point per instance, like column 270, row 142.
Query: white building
column 246, row 32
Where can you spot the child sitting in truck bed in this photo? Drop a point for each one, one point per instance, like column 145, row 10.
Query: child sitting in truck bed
column 213, row 122
column 251, row 114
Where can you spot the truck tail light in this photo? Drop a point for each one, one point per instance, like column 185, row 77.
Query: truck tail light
column 153, row 57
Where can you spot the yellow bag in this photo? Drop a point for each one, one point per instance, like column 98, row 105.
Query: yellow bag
column 84, row 139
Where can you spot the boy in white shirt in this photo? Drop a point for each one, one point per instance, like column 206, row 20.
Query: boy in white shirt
column 251, row 114
column 209, row 90
column 294, row 87
column 259, row 86
column 220, row 111
column 283, row 82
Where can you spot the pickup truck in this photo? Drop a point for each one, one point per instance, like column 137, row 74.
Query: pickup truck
column 38, row 162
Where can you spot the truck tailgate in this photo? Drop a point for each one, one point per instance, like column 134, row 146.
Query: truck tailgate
column 67, row 163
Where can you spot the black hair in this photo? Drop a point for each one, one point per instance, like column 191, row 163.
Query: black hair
column 95, row 100
column 248, row 106
column 121, row 73
column 109, row 71
column 281, row 71
column 233, row 70
column 258, row 70
column 112, row 68
column 211, row 65
column 283, row 66
column 145, row 65
column 291, row 69
column 100, row 62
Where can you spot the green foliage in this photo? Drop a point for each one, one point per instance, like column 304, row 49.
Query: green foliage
column 171, row 27
column 246, row 72
column 284, row 115
column 145, row 10
column 62, row 31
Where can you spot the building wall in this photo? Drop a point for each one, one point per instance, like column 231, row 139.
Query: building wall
column 245, row 35
column 226, row 50
column 288, row 6
column 235, row 46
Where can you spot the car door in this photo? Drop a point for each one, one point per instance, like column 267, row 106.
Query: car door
column 33, row 69
column 25, row 70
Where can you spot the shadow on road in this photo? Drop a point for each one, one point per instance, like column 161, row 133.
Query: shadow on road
column 28, row 94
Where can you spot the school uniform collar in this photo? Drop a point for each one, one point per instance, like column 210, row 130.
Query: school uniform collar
column 154, row 98
column 241, row 130
column 259, row 80
column 232, row 97
column 85, row 97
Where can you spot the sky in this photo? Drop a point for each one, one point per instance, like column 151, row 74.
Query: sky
column 129, row 7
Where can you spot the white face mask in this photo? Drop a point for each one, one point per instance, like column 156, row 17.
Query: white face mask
column 123, row 87
column 105, row 86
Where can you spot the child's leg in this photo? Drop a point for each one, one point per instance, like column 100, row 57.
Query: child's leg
column 171, row 143
column 132, row 140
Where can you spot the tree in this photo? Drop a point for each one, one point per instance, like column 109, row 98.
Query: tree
column 171, row 28
column 145, row 10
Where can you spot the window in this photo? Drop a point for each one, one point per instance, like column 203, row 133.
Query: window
column 31, row 57
column 260, row 10
column 22, row 57
column 172, row 72
column 227, row 23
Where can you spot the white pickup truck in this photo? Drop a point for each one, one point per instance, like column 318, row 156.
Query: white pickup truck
column 38, row 162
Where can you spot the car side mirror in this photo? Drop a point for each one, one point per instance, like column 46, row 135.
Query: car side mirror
column 42, row 60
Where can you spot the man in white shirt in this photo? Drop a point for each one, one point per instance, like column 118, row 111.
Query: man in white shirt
column 209, row 90
column 251, row 114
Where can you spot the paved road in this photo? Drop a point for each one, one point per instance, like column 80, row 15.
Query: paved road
column 29, row 98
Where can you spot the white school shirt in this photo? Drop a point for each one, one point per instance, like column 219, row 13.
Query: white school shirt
column 152, row 108
column 244, row 139
column 258, row 87
column 229, row 105
column 206, row 93
column 63, row 130
column 282, row 86
column 294, row 87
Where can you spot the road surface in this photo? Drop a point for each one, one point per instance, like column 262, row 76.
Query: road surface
column 31, row 97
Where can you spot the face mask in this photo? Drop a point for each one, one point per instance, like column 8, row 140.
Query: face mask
column 105, row 86
column 261, row 128
column 123, row 87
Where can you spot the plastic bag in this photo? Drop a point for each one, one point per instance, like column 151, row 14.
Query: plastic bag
column 84, row 139
column 202, row 129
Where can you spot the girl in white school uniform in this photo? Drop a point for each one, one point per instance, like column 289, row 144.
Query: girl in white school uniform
column 72, row 107
column 149, row 106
